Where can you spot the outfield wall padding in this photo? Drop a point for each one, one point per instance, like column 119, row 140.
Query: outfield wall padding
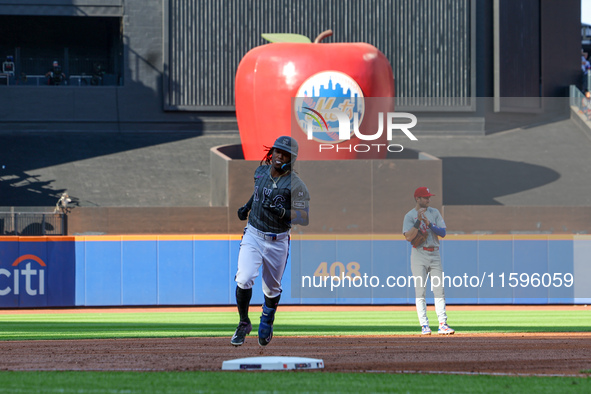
column 199, row 270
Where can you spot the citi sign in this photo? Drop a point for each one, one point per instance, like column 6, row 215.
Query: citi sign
column 34, row 279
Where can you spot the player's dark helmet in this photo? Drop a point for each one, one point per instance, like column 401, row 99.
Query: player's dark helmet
column 287, row 144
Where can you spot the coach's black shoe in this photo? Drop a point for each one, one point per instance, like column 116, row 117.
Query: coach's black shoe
column 266, row 326
column 242, row 331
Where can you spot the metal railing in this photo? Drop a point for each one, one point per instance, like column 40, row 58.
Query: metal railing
column 33, row 223
column 72, row 80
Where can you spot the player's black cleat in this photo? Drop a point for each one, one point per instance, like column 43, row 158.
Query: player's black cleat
column 242, row 331
column 266, row 326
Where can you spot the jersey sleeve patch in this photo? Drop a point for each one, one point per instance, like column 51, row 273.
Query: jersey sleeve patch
column 299, row 204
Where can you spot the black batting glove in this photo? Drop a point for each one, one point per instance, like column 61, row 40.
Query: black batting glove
column 243, row 212
column 277, row 211
column 245, row 209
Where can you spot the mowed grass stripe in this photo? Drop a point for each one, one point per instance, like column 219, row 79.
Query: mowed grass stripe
column 218, row 324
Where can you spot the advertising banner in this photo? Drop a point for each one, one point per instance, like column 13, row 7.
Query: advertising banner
column 37, row 272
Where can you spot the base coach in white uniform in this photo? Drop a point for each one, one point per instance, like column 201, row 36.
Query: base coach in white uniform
column 280, row 199
column 422, row 227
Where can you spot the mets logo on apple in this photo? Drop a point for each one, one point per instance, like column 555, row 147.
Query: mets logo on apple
column 322, row 93
column 330, row 106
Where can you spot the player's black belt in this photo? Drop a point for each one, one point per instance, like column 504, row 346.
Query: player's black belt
column 269, row 236
column 430, row 248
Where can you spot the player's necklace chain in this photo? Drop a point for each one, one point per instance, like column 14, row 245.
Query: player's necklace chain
column 273, row 180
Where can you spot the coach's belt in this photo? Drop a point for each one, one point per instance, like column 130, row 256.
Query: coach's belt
column 431, row 249
column 270, row 236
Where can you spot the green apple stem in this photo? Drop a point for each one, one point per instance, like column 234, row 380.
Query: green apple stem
column 323, row 35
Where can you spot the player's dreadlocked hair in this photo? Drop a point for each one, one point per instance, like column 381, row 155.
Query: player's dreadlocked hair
column 268, row 156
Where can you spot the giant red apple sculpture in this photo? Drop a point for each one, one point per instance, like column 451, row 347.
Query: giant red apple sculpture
column 270, row 76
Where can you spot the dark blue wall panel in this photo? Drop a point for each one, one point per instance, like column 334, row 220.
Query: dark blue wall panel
column 36, row 272
column 80, row 268
column 61, row 275
column 8, row 253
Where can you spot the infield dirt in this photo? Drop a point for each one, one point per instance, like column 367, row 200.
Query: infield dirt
column 545, row 354
column 516, row 353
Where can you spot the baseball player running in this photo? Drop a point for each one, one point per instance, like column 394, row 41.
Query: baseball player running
column 422, row 227
column 280, row 199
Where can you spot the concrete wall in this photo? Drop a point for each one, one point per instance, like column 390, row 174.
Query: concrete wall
column 479, row 219
column 347, row 197
column 327, row 219
column 355, row 196
column 154, row 220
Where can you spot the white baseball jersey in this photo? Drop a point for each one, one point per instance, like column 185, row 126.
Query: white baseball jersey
column 434, row 217
column 425, row 263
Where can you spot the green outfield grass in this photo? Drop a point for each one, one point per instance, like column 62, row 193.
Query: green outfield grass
column 279, row 382
column 190, row 323
column 217, row 324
